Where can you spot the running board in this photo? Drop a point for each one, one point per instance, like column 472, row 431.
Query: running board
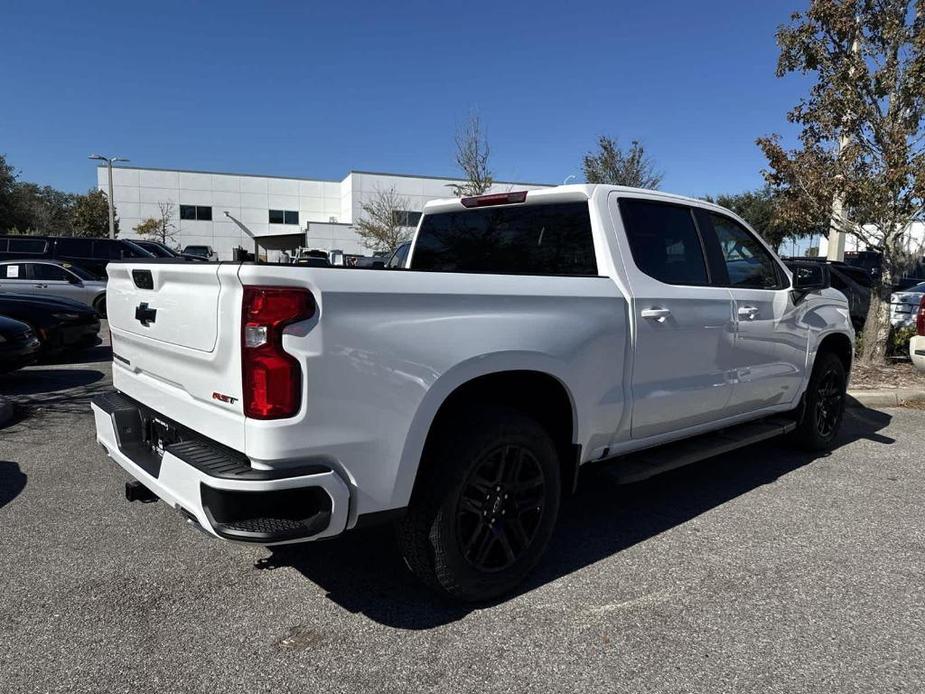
column 641, row 465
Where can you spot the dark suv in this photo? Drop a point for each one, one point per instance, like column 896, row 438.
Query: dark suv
column 91, row 254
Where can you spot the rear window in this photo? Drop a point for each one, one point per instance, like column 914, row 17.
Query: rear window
column 553, row 239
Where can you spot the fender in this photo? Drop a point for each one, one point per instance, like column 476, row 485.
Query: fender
column 459, row 375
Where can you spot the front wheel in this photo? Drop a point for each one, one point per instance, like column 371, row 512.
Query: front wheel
column 823, row 404
column 485, row 506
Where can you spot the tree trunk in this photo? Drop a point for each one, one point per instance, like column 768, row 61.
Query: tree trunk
column 877, row 326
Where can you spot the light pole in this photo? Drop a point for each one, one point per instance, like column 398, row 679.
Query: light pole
column 112, row 214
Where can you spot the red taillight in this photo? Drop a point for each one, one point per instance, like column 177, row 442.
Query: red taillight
column 920, row 318
column 495, row 199
column 272, row 377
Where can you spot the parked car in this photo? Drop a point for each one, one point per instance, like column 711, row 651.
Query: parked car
column 533, row 333
column 18, row 345
column 917, row 343
column 854, row 282
column 904, row 305
column 398, row 258
column 91, row 254
column 51, row 278
column 59, row 324
column 162, row 250
column 204, row 252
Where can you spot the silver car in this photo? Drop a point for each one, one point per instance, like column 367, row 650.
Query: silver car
column 53, row 279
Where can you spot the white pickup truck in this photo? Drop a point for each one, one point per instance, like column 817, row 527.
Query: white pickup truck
column 528, row 334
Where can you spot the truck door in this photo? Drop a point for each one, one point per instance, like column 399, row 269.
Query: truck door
column 770, row 347
column 683, row 325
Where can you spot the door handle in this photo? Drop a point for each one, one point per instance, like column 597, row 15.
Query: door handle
column 659, row 314
column 40, row 286
column 748, row 312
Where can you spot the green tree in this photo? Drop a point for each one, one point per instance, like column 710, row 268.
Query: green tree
column 44, row 210
column 612, row 165
column 8, row 202
column 860, row 164
column 91, row 215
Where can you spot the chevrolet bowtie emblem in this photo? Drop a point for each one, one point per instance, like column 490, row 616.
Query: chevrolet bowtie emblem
column 145, row 315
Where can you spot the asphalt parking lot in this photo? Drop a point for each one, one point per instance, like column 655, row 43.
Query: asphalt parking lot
column 763, row 571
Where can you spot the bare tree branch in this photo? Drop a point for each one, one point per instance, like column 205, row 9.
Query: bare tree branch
column 384, row 224
column 472, row 153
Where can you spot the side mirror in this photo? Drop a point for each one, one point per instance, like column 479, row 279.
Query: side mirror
column 809, row 277
column 76, row 281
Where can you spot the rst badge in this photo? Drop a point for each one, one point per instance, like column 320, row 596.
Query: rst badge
column 221, row 397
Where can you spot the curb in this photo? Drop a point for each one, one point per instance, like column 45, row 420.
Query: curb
column 896, row 397
column 6, row 411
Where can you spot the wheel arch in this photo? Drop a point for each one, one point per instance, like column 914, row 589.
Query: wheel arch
column 840, row 345
column 539, row 392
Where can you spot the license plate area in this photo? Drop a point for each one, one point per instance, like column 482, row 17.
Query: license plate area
column 158, row 434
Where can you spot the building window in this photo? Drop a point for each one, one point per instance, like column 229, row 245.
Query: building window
column 284, row 217
column 196, row 213
column 405, row 218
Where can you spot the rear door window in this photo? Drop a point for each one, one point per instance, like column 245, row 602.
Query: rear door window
column 107, row 250
column 664, row 241
column 74, row 248
column 545, row 239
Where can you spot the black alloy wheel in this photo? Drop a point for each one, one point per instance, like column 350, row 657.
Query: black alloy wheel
column 500, row 508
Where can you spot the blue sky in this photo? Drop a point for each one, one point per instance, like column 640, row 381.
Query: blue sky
column 315, row 89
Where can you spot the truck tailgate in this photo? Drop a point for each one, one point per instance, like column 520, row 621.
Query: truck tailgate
column 170, row 352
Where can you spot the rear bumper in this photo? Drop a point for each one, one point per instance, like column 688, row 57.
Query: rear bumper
column 217, row 489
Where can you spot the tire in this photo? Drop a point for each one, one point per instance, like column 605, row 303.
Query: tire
column 100, row 306
column 823, row 405
column 485, row 506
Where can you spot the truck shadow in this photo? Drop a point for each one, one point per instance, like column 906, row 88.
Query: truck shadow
column 363, row 572
column 12, row 482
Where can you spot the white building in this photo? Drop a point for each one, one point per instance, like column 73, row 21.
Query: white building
column 914, row 241
column 284, row 212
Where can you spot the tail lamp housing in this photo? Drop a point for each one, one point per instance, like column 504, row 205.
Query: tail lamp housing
column 272, row 378
column 920, row 318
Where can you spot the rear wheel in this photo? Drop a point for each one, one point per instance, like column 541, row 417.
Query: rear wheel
column 485, row 506
column 100, row 306
column 823, row 404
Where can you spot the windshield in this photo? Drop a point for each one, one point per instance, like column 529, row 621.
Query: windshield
column 133, row 250
column 157, row 249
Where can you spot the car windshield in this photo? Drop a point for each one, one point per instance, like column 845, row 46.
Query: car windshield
column 133, row 250
column 157, row 249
